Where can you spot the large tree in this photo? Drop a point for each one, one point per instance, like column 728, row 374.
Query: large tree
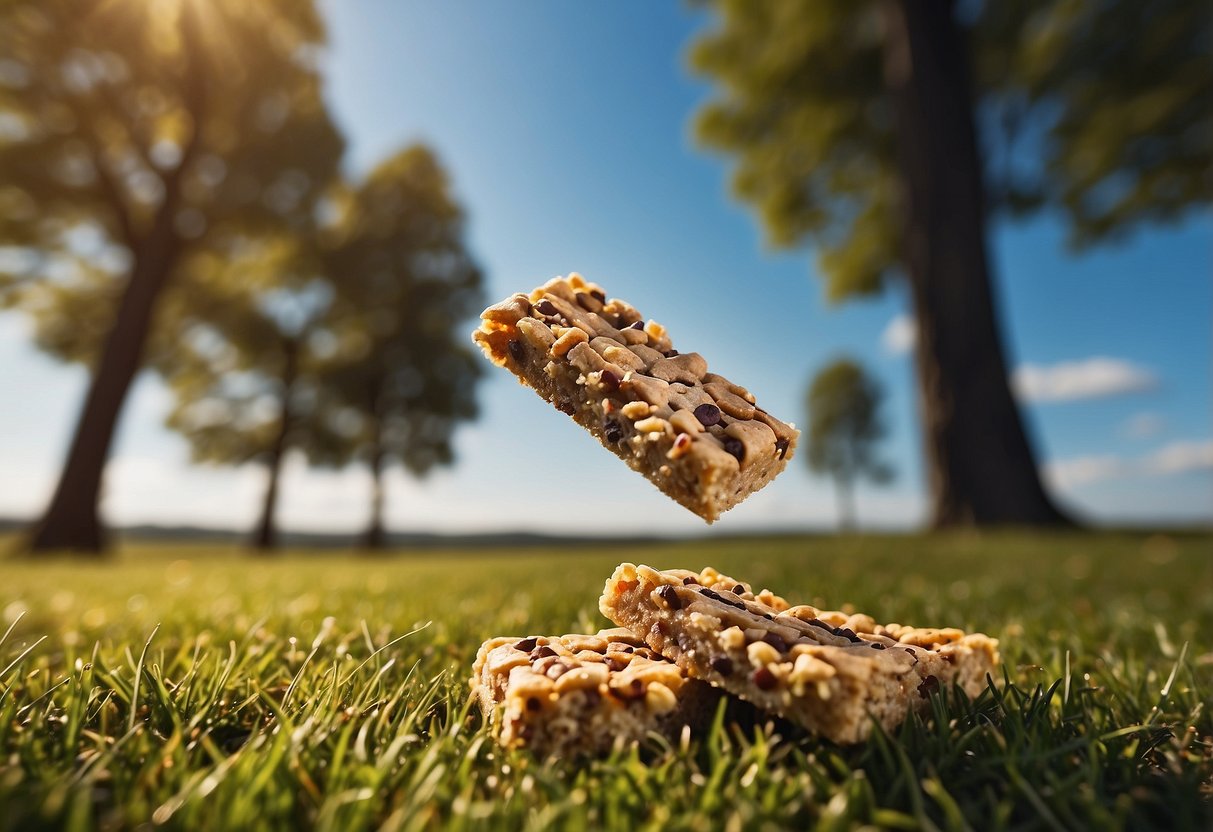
column 886, row 133
column 402, row 373
column 134, row 138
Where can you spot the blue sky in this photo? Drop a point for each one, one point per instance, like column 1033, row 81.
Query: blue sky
column 566, row 128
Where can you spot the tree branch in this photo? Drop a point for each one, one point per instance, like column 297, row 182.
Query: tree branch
column 113, row 194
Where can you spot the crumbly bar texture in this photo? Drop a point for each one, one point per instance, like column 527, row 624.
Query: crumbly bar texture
column 832, row 672
column 701, row 439
column 565, row 696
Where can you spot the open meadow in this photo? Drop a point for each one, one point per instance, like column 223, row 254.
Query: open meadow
column 192, row 686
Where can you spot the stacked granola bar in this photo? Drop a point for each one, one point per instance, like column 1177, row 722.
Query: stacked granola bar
column 685, row 636
column 684, row 639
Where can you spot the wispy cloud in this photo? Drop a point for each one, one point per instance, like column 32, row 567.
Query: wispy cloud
column 1080, row 470
column 1090, row 378
column 1143, row 425
column 899, row 335
column 1169, row 460
column 1180, row 457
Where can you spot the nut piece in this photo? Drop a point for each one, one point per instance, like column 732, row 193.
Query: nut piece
column 636, row 410
column 653, row 424
column 568, row 339
column 659, row 699
column 761, row 654
column 682, row 444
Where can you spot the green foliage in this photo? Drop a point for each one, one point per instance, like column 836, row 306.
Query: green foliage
column 401, row 376
column 105, row 108
column 185, row 687
column 349, row 333
column 1099, row 109
column 843, row 404
column 242, row 357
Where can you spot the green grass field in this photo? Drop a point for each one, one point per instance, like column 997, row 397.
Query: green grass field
column 190, row 687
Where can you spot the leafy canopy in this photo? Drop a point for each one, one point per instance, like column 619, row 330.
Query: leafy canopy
column 107, row 107
column 1102, row 110
column 403, row 280
column 349, row 332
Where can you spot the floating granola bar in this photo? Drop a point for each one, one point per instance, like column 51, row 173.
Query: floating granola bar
column 575, row 694
column 827, row 671
column 695, row 435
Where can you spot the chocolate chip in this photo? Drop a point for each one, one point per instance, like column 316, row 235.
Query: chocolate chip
column 527, row 644
column 546, row 307
column 542, row 653
column 533, row 704
column 637, row 325
column 609, row 380
column 670, row 353
column 708, row 414
column 734, row 446
column 517, row 351
column 627, row 648
column 687, row 581
column 817, row 622
column 612, row 431
column 764, row 679
column 776, row 641
column 597, row 295
column 929, row 685
column 781, row 447
column 848, row 633
column 737, row 590
column 768, row 616
column 670, row 596
column 722, row 665
column 707, row 593
column 876, row 645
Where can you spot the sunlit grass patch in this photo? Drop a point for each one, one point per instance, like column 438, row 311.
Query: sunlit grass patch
column 190, row 688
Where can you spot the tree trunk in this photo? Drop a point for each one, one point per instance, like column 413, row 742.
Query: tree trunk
column 981, row 468
column 845, row 491
column 265, row 537
column 375, row 536
column 71, row 521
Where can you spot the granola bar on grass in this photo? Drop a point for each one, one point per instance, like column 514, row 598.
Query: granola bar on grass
column 701, row 439
column 831, row 672
column 569, row 695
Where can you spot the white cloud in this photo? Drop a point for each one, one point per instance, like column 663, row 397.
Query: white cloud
column 1169, row 460
column 1143, row 425
column 1179, row 458
column 1090, row 378
column 900, row 336
column 1067, row 473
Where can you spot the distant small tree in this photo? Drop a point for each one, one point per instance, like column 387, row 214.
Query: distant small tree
column 403, row 376
column 244, row 365
column 844, row 429
column 340, row 344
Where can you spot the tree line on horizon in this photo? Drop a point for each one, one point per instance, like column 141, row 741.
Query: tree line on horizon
column 171, row 198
